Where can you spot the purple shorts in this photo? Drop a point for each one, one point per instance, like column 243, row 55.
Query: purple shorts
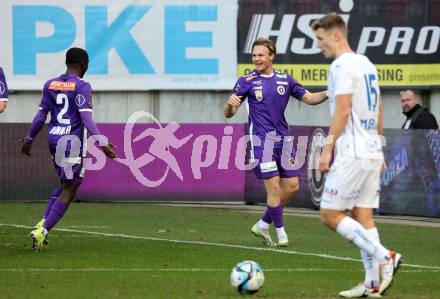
column 277, row 163
column 71, row 171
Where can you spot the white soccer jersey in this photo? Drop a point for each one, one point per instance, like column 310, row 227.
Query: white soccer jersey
column 354, row 74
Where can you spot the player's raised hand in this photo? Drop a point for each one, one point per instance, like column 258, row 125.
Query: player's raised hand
column 108, row 151
column 26, row 146
column 234, row 100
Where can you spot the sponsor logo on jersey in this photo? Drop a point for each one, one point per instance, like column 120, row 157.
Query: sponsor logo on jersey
column 281, row 90
column 259, row 94
column 61, row 85
column 258, row 82
column 282, row 83
column 80, row 100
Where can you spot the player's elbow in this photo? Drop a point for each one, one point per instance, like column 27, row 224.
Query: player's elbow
column 344, row 112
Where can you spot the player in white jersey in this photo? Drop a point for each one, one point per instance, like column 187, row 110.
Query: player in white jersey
column 353, row 181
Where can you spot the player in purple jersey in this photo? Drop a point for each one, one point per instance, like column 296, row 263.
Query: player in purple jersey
column 268, row 92
column 69, row 100
column 3, row 91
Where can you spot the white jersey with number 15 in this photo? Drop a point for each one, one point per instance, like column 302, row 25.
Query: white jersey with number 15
column 354, row 74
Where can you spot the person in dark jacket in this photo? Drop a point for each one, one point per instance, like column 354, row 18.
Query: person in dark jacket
column 417, row 116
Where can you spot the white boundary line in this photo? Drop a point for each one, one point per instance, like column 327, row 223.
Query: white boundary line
column 186, row 270
column 326, row 256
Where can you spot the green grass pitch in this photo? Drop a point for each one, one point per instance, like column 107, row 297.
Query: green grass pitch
column 160, row 251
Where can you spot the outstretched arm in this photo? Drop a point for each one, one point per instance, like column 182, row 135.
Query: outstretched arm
column 314, row 98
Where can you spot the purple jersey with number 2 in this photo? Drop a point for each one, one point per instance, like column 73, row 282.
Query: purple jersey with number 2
column 65, row 97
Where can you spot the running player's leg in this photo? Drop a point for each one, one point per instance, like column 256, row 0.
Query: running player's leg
column 365, row 217
column 275, row 207
column 70, row 181
column 266, row 171
column 368, row 200
column 342, row 188
column 289, row 171
column 52, row 198
column 60, row 205
column 289, row 186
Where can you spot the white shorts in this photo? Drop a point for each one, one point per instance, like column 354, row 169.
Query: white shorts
column 352, row 182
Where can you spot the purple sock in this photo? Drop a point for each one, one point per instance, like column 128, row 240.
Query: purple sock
column 277, row 215
column 53, row 197
column 56, row 213
column 266, row 216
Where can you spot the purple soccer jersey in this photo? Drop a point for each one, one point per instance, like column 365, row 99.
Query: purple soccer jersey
column 267, row 98
column 69, row 101
column 65, row 97
column 267, row 101
column 3, row 87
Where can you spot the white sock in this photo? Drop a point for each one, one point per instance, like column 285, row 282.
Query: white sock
column 355, row 233
column 280, row 231
column 371, row 265
column 263, row 225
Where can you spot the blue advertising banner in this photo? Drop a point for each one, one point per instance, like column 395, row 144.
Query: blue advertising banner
column 133, row 45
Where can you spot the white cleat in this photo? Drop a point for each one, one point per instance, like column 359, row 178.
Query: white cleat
column 263, row 234
column 361, row 291
column 283, row 241
column 388, row 271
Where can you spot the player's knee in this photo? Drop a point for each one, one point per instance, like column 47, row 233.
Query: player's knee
column 275, row 190
column 293, row 188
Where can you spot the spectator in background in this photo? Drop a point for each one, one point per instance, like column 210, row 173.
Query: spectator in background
column 417, row 116
column 3, row 91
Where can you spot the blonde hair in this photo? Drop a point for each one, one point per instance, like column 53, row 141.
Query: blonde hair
column 262, row 41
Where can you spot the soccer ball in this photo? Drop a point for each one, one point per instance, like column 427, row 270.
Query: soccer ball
column 247, row 277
